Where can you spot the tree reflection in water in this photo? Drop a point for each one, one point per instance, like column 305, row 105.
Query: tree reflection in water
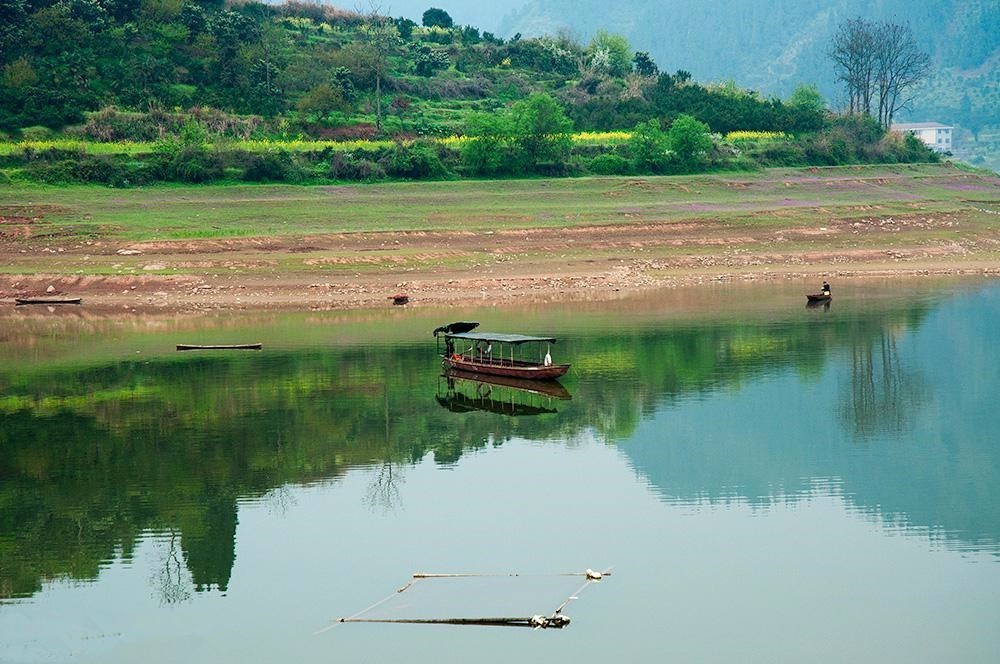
column 171, row 579
column 96, row 456
column 884, row 394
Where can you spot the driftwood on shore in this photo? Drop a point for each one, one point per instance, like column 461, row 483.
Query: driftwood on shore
column 220, row 347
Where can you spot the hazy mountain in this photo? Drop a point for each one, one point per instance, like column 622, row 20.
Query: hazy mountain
column 770, row 45
column 774, row 45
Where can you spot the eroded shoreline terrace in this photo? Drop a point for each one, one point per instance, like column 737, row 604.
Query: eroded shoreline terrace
column 352, row 246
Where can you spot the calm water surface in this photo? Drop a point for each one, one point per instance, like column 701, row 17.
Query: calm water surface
column 768, row 482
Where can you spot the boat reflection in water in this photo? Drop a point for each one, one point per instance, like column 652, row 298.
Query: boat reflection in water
column 463, row 392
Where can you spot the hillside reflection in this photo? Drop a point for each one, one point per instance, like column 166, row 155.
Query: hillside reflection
column 95, row 457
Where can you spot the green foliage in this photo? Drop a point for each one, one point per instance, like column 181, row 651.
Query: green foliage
column 690, row 140
column 488, row 150
column 428, row 59
column 36, row 133
column 541, row 131
column 271, row 166
column 610, row 54
column 141, row 71
column 644, row 65
column 649, row 147
column 807, row 98
column 418, row 160
column 436, row 18
column 608, row 164
column 351, row 166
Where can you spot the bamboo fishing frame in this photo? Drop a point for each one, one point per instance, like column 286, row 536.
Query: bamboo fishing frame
column 555, row 620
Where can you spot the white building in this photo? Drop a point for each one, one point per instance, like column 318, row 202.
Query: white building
column 933, row 134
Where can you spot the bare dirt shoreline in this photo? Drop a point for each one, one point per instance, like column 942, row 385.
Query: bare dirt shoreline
column 544, row 240
column 584, row 263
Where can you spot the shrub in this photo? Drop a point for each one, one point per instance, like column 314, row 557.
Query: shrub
column 416, row 160
column 608, row 164
column 345, row 166
column 35, row 133
column 271, row 166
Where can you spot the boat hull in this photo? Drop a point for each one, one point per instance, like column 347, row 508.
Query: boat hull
column 818, row 297
column 525, row 371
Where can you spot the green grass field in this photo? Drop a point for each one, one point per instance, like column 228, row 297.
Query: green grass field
column 773, row 197
column 279, row 230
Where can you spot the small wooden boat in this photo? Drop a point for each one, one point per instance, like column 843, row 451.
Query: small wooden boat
column 819, row 297
column 220, row 347
column 500, row 354
column 48, row 300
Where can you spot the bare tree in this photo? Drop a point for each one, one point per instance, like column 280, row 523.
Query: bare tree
column 879, row 63
column 853, row 55
column 900, row 65
column 381, row 36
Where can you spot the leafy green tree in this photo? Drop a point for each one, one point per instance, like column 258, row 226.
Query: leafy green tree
column 436, row 18
column 649, row 147
column 405, row 27
column 690, row 140
column 807, row 97
column 610, row 53
column 427, row 60
column 13, row 17
column 542, row 132
column 486, row 150
column 644, row 65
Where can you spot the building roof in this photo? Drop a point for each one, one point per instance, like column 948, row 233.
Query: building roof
column 906, row 126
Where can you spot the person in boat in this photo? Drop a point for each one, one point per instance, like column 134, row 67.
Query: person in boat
column 826, row 288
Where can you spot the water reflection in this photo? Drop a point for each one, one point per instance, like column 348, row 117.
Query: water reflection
column 884, row 394
column 463, row 392
column 97, row 454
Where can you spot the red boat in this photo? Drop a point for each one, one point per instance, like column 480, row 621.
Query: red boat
column 499, row 354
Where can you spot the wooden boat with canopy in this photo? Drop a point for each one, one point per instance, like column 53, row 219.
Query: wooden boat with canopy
column 500, row 354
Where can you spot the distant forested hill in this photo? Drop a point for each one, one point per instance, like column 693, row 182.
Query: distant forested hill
column 774, row 45
column 770, row 45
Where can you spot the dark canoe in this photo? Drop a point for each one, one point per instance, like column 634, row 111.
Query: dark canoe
column 818, row 297
column 220, row 347
column 48, row 300
column 548, row 388
column 517, row 369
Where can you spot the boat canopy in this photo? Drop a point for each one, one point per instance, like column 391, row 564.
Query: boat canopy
column 499, row 337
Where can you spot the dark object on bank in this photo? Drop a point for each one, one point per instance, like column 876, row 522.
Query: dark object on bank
column 399, row 299
column 47, row 300
column 220, row 347
column 455, row 328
